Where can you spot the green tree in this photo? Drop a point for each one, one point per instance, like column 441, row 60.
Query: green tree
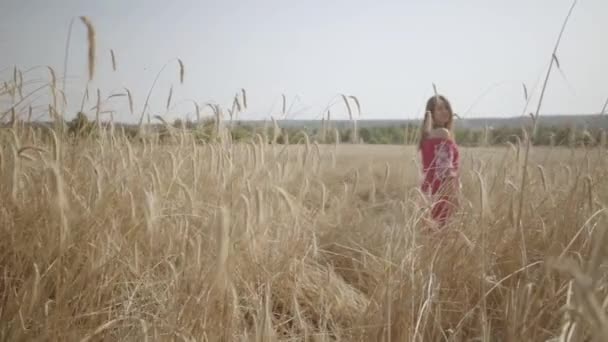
column 80, row 125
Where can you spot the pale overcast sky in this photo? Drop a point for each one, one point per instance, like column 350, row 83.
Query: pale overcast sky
column 387, row 53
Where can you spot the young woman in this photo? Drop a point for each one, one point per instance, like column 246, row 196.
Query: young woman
column 440, row 159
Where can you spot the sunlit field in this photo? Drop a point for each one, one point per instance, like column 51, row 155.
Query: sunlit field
column 108, row 239
column 175, row 234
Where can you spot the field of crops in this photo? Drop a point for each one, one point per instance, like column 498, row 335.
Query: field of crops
column 174, row 234
column 110, row 239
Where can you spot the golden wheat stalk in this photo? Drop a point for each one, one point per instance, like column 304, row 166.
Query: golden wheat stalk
column 113, row 58
column 60, row 205
column 197, row 109
column 146, row 103
column 259, row 203
column 284, row 106
column 91, row 43
column 534, row 129
column 317, row 149
column 323, row 197
column 356, row 185
column 169, row 97
column 387, row 173
column 276, row 131
column 98, row 110
column 14, row 173
column 20, row 85
column 244, row 97
column 130, row 97
column 182, row 70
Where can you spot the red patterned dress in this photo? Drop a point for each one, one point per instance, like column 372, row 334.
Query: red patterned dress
column 440, row 161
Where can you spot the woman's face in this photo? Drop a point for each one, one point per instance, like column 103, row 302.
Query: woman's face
column 441, row 114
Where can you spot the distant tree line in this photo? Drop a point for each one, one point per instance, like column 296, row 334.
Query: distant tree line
column 206, row 131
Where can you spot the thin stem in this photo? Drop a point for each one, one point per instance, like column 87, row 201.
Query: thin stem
column 65, row 59
column 143, row 112
column 542, row 93
column 524, row 177
column 604, row 108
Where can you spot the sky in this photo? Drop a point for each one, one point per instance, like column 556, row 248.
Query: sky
column 386, row 53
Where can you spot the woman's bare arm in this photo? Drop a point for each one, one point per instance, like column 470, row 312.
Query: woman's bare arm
column 441, row 133
column 427, row 125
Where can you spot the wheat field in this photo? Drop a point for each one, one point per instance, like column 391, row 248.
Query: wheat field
column 115, row 238
column 109, row 239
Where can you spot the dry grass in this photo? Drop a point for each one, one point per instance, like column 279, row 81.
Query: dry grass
column 113, row 59
column 109, row 240
column 91, row 46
